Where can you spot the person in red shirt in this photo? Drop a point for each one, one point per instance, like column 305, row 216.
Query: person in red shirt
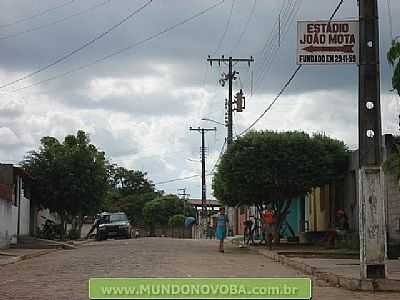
column 269, row 226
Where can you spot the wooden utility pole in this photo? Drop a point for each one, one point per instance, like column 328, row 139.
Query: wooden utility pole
column 229, row 77
column 203, row 171
column 372, row 225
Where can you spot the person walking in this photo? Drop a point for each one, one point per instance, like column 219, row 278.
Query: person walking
column 269, row 227
column 247, row 231
column 222, row 224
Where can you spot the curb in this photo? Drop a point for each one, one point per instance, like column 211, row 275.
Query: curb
column 353, row 284
column 16, row 259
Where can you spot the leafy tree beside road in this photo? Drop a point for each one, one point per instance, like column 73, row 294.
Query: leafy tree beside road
column 393, row 57
column 159, row 211
column 70, row 176
column 270, row 168
column 129, row 191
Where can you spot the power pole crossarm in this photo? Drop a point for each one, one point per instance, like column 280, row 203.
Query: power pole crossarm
column 230, row 77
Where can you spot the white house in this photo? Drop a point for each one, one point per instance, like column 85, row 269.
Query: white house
column 15, row 204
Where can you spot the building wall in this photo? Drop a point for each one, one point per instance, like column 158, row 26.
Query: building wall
column 393, row 204
column 24, row 216
column 293, row 218
column 9, row 215
column 320, row 207
column 392, row 194
column 8, row 222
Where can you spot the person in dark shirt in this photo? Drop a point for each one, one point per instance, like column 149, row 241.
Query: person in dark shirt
column 341, row 227
column 248, row 224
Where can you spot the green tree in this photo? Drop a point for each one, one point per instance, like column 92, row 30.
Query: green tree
column 70, row 177
column 177, row 224
column 129, row 191
column 132, row 204
column 129, row 182
column 177, row 220
column 158, row 211
column 271, row 168
column 393, row 57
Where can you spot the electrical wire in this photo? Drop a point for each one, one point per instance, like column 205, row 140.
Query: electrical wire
column 270, row 57
column 130, row 47
column 287, row 83
column 244, row 30
column 267, row 52
column 43, row 26
column 39, row 14
column 85, row 45
column 221, row 152
column 177, row 179
column 273, row 102
column 390, row 20
column 228, row 23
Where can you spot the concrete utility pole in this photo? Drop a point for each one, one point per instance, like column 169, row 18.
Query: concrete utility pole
column 371, row 181
column 203, row 170
column 230, row 77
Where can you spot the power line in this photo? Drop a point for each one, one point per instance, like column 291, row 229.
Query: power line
column 250, row 16
column 269, row 41
column 177, row 179
column 221, row 152
column 112, row 54
column 389, row 8
column 287, row 83
column 92, row 41
column 270, row 57
column 336, row 10
column 43, row 26
column 228, row 23
column 273, row 102
column 39, row 14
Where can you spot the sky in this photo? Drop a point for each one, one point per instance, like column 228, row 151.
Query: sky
column 142, row 79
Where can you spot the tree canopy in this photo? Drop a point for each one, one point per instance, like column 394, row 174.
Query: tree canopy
column 393, row 57
column 269, row 168
column 177, row 220
column 70, row 177
column 129, row 191
column 161, row 209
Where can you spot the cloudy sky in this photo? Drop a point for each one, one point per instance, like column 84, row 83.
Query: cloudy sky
column 137, row 89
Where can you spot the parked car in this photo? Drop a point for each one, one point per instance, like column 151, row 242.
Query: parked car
column 114, row 225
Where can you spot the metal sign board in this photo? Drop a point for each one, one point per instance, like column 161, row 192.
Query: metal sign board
column 327, row 43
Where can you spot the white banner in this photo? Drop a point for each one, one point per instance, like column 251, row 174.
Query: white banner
column 327, row 43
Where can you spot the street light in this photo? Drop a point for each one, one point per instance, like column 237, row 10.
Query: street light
column 211, row 120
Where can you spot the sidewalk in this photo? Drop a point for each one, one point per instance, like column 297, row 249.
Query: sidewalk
column 13, row 255
column 339, row 272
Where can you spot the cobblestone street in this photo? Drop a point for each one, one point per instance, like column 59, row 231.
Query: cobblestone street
column 64, row 274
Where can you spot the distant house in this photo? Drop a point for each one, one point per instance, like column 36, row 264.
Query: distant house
column 15, row 204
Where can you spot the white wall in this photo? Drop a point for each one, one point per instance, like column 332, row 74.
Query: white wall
column 24, row 216
column 8, row 222
column 9, row 219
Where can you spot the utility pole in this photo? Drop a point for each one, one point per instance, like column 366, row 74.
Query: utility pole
column 203, row 171
column 372, row 225
column 229, row 77
column 182, row 193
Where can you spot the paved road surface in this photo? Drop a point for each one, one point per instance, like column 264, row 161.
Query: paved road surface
column 64, row 274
